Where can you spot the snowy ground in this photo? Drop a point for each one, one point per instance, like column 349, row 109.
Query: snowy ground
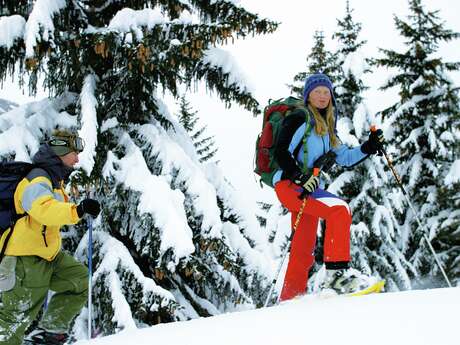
column 405, row 318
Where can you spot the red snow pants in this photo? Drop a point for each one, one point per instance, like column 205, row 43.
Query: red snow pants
column 320, row 204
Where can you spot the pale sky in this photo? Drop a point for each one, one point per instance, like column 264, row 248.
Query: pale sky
column 271, row 61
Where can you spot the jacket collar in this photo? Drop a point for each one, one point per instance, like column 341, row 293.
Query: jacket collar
column 45, row 158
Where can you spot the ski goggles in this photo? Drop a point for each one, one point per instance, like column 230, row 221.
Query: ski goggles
column 73, row 143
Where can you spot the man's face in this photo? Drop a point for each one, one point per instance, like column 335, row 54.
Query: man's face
column 70, row 159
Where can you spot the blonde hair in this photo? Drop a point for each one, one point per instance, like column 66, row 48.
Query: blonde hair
column 323, row 127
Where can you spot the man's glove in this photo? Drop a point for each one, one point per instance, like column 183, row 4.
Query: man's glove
column 309, row 183
column 374, row 144
column 90, row 206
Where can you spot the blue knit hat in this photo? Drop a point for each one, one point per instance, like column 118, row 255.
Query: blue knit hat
column 315, row 80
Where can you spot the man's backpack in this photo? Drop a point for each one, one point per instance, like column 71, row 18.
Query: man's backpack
column 274, row 114
column 11, row 173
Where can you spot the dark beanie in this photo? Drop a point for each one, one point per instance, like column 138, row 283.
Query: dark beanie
column 314, row 81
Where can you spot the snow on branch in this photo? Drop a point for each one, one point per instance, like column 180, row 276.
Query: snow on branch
column 234, row 2
column 238, row 203
column 167, row 211
column 398, row 261
column 22, row 128
column 109, row 124
column 453, row 176
column 419, row 82
column 360, row 120
column 115, row 255
column 175, row 158
column 204, row 189
column 412, row 103
column 11, row 28
column 203, row 303
column 415, row 167
column 89, row 125
column 220, row 58
column 127, row 20
column 344, row 127
column 121, row 309
column 41, row 17
column 355, row 64
column 413, row 136
column 339, row 182
column 406, row 106
column 251, row 257
column 380, row 217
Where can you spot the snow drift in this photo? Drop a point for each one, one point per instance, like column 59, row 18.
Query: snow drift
column 412, row 317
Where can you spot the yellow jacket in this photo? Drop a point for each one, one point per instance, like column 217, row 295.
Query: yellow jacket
column 47, row 209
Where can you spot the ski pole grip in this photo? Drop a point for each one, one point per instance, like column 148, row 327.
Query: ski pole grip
column 381, row 148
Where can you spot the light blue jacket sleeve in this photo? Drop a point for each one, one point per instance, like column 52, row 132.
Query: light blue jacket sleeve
column 349, row 156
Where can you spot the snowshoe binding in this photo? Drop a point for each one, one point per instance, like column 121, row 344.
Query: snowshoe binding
column 350, row 282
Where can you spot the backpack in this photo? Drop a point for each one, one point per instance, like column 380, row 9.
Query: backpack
column 11, row 173
column 274, row 114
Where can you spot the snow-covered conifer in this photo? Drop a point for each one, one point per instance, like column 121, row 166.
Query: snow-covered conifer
column 425, row 124
column 374, row 231
column 320, row 60
column 205, row 147
column 174, row 240
column 352, row 65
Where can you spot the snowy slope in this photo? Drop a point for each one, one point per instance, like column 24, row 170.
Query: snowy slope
column 403, row 318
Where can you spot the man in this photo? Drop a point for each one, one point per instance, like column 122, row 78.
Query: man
column 33, row 252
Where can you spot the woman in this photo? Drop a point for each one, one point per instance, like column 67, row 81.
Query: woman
column 294, row 148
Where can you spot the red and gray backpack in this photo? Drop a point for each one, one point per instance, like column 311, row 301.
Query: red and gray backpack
column 274, row 114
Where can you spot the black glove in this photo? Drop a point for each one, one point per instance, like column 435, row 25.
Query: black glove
column 374, row 144
column 90, row 206
column 309, row 183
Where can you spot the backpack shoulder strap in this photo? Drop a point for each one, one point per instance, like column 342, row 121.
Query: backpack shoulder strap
column 303, row 142
column 305, row 137
column 39, row 171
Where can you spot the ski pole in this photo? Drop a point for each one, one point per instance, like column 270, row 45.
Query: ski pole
column 417, row 217
column 288, row 246
column 90, row 273
column 90, row 278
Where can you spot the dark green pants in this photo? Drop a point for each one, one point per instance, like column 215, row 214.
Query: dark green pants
column 34, row 277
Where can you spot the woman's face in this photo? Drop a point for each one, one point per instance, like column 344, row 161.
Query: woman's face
column 320, row 97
